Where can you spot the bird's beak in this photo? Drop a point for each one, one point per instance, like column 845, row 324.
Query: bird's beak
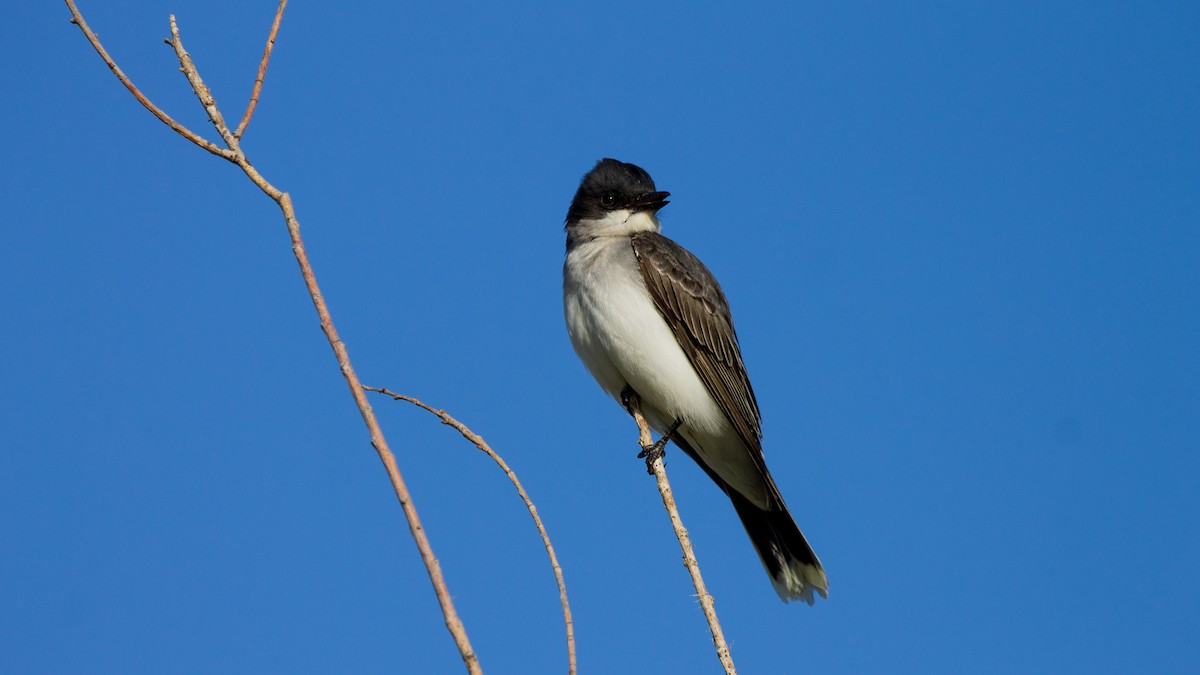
column 651, row 201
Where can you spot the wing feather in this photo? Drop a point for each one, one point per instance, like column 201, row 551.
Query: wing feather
column 691, row 302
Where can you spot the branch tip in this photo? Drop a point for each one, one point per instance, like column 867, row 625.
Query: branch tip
column 262, row 72
column 78, row 20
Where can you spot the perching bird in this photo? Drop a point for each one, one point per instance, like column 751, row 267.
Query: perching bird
column 646, row 316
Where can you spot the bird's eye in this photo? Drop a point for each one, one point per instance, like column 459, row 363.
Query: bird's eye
column 608, row 200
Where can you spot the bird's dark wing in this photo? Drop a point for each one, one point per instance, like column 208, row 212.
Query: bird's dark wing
column 691, row 302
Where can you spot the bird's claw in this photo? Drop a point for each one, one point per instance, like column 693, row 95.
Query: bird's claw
column 657, row 450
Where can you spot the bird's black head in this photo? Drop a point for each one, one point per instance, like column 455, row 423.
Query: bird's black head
column 611, row 186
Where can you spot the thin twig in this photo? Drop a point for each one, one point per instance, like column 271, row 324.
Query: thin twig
column 77, row 19
column 512, row 476
column 689, row 557
column 200, row 89
column 262, row 72
column 235, row 154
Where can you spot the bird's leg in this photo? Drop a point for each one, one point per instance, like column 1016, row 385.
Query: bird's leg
column 631, row 401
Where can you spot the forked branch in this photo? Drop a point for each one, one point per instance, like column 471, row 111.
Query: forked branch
column 234, row 153
column 512, row 476
column 77, row 19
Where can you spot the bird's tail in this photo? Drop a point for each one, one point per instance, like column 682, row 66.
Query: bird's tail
column 794, row 569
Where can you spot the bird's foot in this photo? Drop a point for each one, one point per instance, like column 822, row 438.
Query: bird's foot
column 654, row 451
column 657, row 450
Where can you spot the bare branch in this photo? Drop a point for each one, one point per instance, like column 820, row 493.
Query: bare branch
column 235, row 154
column 659, row 469
column 512, row 476
column 77, row 19
column 449, row 613
column 200, row 89
column 262, row 72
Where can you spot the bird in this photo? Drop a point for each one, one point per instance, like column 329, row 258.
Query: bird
column 647, row 318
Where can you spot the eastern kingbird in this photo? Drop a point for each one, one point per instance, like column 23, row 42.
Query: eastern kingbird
column 646, row 315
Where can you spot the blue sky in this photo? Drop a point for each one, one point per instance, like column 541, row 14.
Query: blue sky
column 960, row 242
